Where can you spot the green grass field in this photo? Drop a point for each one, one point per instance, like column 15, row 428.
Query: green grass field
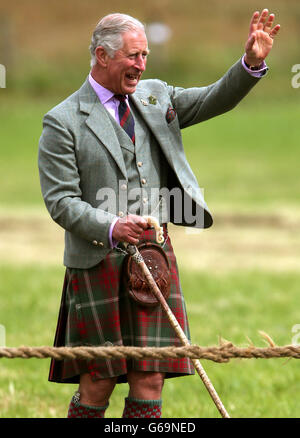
column 247, row 159
column 233, row 306
column 247, row 162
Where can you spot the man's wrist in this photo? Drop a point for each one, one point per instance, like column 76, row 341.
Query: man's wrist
column 253, row 67
column 258, row 65
column 257, row 72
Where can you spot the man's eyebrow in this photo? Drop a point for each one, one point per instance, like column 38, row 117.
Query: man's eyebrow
column 145, row 52
column 135, row 52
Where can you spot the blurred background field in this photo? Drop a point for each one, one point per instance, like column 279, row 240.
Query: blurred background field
column 240, row 276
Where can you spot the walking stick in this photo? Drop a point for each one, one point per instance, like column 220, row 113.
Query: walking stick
column 137, row 257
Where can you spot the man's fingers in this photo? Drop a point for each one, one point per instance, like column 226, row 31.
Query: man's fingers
column 137, row 223
column 253, row 22
column 135, row 227
column 275, row 31
column 262, row 19
column 261, row 22
column 133, row 240
column 143, row 224
column 138, row 220
column 269, row 23
column 129, row 229
column 258, row 20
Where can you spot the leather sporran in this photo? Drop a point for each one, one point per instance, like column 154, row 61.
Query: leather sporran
column 157, row 262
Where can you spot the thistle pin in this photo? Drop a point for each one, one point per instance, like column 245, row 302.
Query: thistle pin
column 152, row 100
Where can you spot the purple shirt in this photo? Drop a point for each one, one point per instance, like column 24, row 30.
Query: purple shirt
column 107, row 98
column 111, row 104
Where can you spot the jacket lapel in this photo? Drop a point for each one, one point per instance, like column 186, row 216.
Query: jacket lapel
column 154, row 118
column 99, row 122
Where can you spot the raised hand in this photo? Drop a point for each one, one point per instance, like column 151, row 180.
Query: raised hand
column 260, row 39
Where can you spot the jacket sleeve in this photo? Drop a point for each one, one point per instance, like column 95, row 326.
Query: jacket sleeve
column 194, row 105
column 60, row 184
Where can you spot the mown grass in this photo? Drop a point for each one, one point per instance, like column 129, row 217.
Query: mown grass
column 231, row 305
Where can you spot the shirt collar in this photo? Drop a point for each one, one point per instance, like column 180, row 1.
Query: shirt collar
column 103, row 93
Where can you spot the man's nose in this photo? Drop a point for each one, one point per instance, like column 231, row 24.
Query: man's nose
column 141, row 63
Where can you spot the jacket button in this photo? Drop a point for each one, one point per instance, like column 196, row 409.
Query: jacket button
column 121, row 214
column 123, row 187
column 140, row 163
column 95, row 242
column 144, row 181
column 100, row 243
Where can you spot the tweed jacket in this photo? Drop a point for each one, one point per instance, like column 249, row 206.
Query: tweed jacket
column 79, row 153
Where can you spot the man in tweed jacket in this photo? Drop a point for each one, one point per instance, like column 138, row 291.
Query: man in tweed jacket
column 84, row 154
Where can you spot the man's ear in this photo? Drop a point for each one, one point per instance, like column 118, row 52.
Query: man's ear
column 101, row 56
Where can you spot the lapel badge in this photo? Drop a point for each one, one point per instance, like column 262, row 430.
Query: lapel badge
column 144, row 102
column 152, row 100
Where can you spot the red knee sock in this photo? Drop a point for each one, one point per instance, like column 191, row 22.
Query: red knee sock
column 77, row 410
column 135, row 408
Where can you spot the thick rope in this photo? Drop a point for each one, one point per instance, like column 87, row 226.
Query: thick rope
column 221, row 354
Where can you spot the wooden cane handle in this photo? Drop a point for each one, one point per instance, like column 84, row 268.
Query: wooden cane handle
column 153, row 222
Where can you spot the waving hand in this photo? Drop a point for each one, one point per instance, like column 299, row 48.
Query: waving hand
column 260, row 39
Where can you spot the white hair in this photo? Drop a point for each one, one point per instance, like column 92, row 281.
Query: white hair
column 108, row 33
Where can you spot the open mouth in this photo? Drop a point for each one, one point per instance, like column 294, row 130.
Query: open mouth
column 132, row 78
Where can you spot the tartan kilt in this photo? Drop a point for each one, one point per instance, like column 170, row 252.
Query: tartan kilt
column 97, row 310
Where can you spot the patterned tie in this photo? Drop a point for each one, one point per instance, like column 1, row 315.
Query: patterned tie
column 125, row 116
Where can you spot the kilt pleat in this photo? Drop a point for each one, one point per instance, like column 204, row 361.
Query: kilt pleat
column 96, row 310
